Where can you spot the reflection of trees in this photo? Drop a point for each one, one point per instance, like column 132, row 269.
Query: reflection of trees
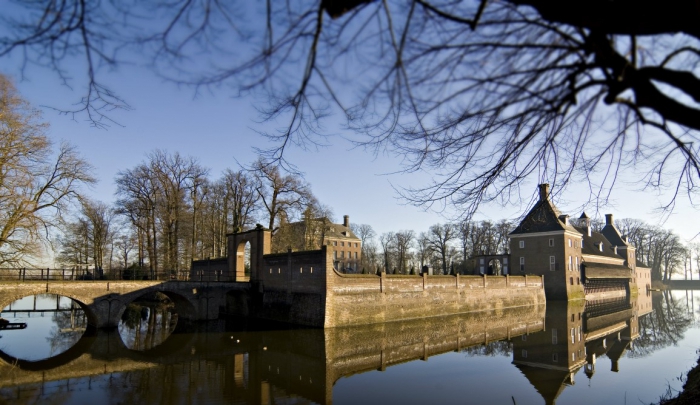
column 147, row 323
column 499, row 348
column 70, row 324
column 664, row 326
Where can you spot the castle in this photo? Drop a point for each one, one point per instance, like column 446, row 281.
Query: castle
column 575, row 260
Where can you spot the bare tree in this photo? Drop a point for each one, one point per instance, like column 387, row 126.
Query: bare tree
column 387, row 241
column 35, row 184
column 485, row 93
column 404, row 241
column 280, row 193
column 439, row 237
column 138, row 192
column 366, row 233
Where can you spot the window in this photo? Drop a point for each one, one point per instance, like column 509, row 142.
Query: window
column 569, row 242
column 342, row 254
column 355, row 255
column 524, row 353
column 524, row 338
column 335, row 243
column 571, row 264
column 555, row 340
column 522, row 264
column 552, row 263
column 555, row 357
column 521, row 244
column 355, row 244
column 576, row 264
column 551, row 242
column 335, row 254
column 573, row 336
column 571, row 279
column 582, row 243
column 342, row 243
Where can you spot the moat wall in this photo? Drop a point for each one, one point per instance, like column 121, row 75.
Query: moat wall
column 303, row 288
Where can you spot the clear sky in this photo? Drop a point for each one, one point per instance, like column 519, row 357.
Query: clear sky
column 220, row 131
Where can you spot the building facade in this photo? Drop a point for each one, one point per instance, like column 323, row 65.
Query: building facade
column 576, row 261
column 311, row 234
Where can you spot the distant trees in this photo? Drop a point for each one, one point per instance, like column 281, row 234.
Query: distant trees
column 36, row 183
column 281, row 194
column 439, row 238
column 177, row 213
column 88, row 241
column 160, row 197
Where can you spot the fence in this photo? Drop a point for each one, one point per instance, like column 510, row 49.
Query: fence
column 48, row 274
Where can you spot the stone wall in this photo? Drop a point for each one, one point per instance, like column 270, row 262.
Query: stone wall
column 209, row 269
column 367, row 299
column 303, row 288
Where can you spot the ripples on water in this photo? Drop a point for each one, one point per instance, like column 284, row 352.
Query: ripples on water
column 614, row 352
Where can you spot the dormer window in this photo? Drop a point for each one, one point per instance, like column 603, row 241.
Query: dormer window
column 600, row 246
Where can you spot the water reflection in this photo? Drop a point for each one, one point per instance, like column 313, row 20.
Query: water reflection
column 526, row 355
column 147, row 322
column 54, row 325
column 577, row 334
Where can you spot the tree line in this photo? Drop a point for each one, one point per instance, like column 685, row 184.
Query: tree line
column 170, row 211
column 449, row 247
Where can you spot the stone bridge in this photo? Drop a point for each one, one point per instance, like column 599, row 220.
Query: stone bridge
column 105, row 301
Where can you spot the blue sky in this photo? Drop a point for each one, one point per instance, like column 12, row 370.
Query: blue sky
column 220, row 131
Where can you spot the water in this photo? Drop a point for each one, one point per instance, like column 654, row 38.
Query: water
column 616, row 352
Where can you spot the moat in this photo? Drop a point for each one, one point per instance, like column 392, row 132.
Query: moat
column 615, row 351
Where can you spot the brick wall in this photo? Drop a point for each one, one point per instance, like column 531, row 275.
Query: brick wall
column 303, row 288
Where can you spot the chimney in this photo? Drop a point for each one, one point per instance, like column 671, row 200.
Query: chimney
column 544, row 192
column 609, row 219
column 585, row 222
column 346, row 221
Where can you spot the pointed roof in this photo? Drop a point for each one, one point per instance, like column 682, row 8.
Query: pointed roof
column 548, row 382
column 543, row 217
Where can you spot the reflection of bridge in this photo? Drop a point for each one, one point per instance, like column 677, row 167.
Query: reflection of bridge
column 104, row 301
column 279, row 358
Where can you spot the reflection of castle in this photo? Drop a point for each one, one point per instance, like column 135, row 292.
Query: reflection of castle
column 575, row 336
column 574, row 259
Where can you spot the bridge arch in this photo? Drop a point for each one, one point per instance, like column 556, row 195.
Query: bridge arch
column 93, row 322
column 184, row 307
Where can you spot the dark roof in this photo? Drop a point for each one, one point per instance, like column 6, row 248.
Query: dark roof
column 543, row 217
column 549, row 383
column 591, row 243
column 612, row 234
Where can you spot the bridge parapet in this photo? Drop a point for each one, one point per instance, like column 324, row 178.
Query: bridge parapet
column 105, row 301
